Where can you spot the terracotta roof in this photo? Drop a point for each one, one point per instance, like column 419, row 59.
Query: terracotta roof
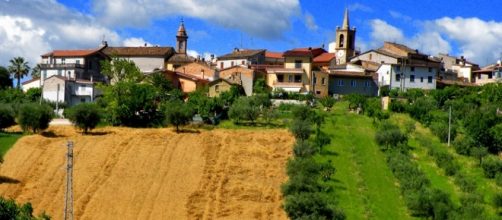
column 487, row 69
column 181, row 58
column 31, row 80
column 274, row 55
column 241, row 54
column 191, row 77
column 313, row 52
column 139, row 51
column 324, row 58
column 70, row 53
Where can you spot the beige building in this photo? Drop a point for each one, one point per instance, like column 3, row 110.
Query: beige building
column 245, row 75
column 221, row 85
column 199, row 69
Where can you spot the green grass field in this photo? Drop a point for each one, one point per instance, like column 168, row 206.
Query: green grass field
column 7, row 140
column 365, row 186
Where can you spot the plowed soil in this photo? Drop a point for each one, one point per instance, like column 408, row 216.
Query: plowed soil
column 124, row 173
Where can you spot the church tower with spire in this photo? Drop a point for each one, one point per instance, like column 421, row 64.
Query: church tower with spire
column 345, row 41
column 181, row 39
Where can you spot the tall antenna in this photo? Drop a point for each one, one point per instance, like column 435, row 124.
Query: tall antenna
column 68, row 206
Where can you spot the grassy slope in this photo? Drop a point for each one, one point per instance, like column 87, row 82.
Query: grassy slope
column 7, row 140
column 364, row 184
column 469, row 166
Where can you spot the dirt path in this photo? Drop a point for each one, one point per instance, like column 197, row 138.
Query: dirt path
column 126, row 173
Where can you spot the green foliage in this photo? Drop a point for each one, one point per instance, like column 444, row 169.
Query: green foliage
column 479, row 153
column 163, row 86
column 478, row 125
column 389, row 136
column 491, row 166
column 356, row 101
column 178, row 113
column 310, row 206
column 498, row 179
column 19, row 68
column 244, row 108
column 466, row 184
column 497, row 200
column 327, row 102
column 440, row 129
column 463, row 144
column 34, row 94
column 471, row 208
column 5, row 80
column 9, row 209
column 260, row 86
column 132, row 104
column 6, row 116
column 397, row 105
column 34, row 117
column 301, row 129
column 85, row 116
column 304, row 149
column 12, row 96
column 302, row 113
column 121, row 70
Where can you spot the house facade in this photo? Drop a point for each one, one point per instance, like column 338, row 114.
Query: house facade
column 147, row 59
column 69, row 91
column 243, row 57
column 245, row 76
column 352, row 78
column 488, row 74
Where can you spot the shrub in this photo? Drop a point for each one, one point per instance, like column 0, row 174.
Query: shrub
column 397, row 106
column 479, row 153
column 244, row 108
column 463, row 145
column 321, row 139
column 497, row 200
column 301, row 129
column 178, row 113
column 85, row 116
column 310, row 206
column 390, row 138
column 498, row 179
column 472, row 207
column 491, row 166
column 6, row 116
column 327, row 102
column 35, row 117
column 10, row 210
column 303, row 149
column 465, row 184
column 302, row 113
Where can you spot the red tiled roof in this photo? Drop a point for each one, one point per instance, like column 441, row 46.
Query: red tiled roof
column 324, row 58
column 71, row 53
column 192, row 77
column 31, row 80
column 305, row 52
column 274, row 55
column 139, row 51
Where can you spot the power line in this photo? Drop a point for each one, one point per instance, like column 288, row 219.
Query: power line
column 68, row 206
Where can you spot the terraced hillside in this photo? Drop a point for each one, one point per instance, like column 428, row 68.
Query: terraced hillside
column 123, row 173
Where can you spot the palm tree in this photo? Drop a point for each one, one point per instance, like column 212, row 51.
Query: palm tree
column 35, row 72
column 19, row 68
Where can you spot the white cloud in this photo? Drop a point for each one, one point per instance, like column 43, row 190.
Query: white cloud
column 398, row 15
column 194, row 53
column 33, row 27
column 382, row 31
column 262, row 18
column 310, row 22
column 135, row 42
column 359, row 7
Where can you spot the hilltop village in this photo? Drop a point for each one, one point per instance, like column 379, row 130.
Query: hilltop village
column 71, row 76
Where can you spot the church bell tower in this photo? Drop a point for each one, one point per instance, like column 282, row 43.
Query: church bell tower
column 181, row 39
column 345, row 41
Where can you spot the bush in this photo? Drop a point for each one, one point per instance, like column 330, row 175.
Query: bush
column 10, row 210
column 6, row 116
column 491, row 166
column 397, row 106
column 465, row 184
column 302, row 113
column 178, row 113
column 85, row 116
column 301, row 129
column 35, row 117
column 327, row 102
column 498, row 179
column 463, row 145
column 310, row 206
column 497, row 200
column 304, row 149
column 244, row 108
column 390, row 138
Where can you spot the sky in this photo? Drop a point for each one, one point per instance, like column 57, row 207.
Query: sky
column 29, row 28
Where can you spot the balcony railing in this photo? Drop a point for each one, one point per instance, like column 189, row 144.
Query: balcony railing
column 59, row 65
column 288, row 84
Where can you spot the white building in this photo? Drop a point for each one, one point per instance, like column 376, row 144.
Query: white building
column 59, row 89
column 243, row 57
column 147, row 59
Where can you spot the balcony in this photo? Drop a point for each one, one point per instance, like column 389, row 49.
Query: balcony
column 288, row 86
column 61, row 66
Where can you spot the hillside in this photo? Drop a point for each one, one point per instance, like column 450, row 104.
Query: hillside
column 123, row 173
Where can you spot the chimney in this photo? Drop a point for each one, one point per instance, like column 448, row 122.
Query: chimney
column 145, row 44
column 212, row 57
column 236, row 49
column 202, row 73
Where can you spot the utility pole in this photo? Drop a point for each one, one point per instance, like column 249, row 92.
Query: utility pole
column 449, row 126
column 68, row 206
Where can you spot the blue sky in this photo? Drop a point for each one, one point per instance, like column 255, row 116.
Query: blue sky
column 32, row 27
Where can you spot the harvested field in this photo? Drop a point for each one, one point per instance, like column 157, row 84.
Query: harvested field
column 124, row 173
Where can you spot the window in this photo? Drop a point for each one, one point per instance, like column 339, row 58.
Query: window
column 412, row 69
column 243, row 62
column 63, row 60
column 298, row 78
column 298, row 64
column 290, row 78
column 44, row 73
column 280, row 78
column 429, row 79
column 315, row 80
column 323, row 81
column 59, row 72
column 340, row 82
column 69, row 74
column 318, row 92
column 353, row 83
column 341, row 40
column 398, row 68
column 367, row 84
column 77, row 61
column 421, row 79
column 221, row 65
column 82, row 100
column 232, row 63
column 430, row 69
column 412, row 78
column 398, row 77
column 371, row 56
column 217, row 88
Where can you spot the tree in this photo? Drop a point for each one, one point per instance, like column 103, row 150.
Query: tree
column 163, row 85
column 178, row 113
column 35, row 72
column 34, row 117
column 479, row 153
column 260, row 86
column 327, row 102
column 34, row 94
column 5, row 80
column 491, row 166
column 85, row 116
column 120, row 69
column 19, row 68
column 10, row 210
column 301, row 129
column 497, row 200
column 6, row 116
column 244, row 108
column 310, row 206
